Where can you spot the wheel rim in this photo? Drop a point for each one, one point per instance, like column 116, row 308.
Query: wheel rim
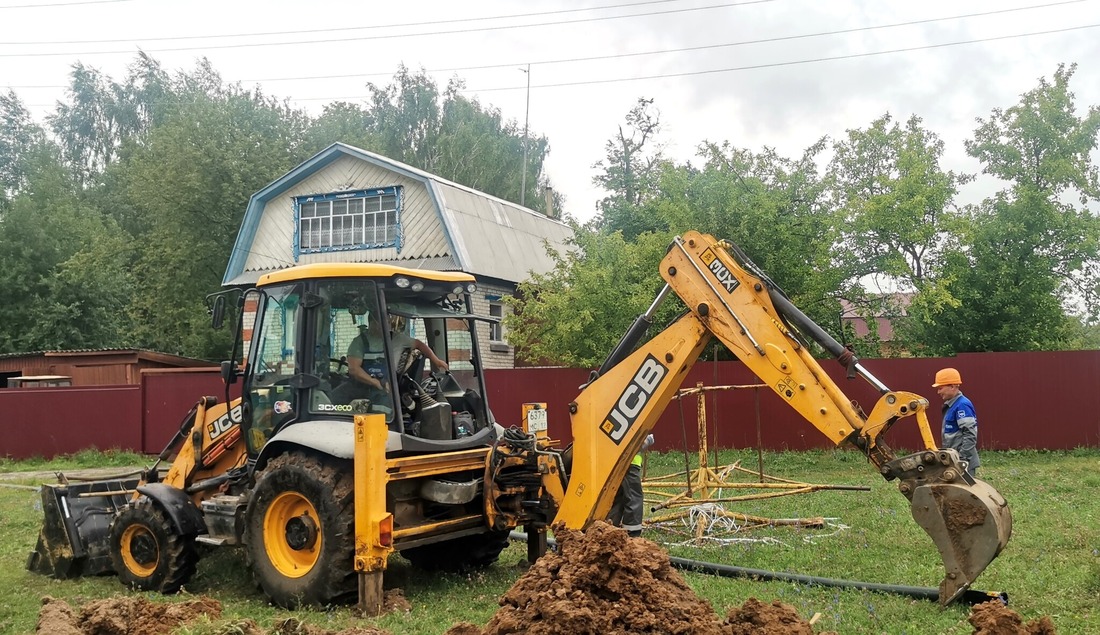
column 291, row 534
column 140, row 551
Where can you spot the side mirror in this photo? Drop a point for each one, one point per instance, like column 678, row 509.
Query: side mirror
column 217, row 312
column 229, row 372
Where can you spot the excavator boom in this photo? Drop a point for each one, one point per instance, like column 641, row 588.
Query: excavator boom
column 729, row 299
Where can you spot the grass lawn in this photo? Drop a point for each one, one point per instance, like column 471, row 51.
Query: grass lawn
column 1050, row 567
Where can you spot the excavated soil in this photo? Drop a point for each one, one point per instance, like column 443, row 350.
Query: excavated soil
column 599, row 582
column 994, row 618
column 602, row 582
column 138, row 616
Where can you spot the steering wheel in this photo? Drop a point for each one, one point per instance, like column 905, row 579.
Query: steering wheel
column 430, row 385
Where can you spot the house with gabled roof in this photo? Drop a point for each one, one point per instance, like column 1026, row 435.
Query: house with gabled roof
column 346, row 204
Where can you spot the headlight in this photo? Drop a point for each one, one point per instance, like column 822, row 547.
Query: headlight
column 402, row 282
column 418, row 286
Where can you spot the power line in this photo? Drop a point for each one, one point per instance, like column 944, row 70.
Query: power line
column 58, row 4
column 346, row 28
column 388, row 36
column 743, row 68
column 593, row 58
column 663, row 51
column 732, row 69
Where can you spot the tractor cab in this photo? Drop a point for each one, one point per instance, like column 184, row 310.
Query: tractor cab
column 322, row 343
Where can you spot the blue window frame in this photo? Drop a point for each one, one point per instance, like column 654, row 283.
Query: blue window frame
column 360, row 219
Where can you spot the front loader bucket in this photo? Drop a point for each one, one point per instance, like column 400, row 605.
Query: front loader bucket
column 970, row 525
column 74, row 540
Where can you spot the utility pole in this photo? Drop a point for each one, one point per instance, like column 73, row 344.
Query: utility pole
column 526, row 118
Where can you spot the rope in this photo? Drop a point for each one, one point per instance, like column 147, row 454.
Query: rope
column 710, row 523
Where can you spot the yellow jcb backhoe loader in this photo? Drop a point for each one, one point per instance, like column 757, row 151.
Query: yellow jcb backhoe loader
column 321, row 473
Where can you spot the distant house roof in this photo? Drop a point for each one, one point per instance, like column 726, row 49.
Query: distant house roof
column 486, row 235
column 97, row 367
column 885, row 308
column 153, row 356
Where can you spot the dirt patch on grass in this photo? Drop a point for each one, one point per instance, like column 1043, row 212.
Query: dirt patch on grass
column 138, row 616
column 601, row 581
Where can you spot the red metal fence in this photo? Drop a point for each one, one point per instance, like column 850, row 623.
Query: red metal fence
column 1024, row 400
column 50, row 421
column 1048, row 400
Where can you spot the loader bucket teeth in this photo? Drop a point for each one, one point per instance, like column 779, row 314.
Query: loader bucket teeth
column 970, row 525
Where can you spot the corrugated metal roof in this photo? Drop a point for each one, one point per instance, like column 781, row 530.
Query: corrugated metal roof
column 487, row 236
column 75, row 352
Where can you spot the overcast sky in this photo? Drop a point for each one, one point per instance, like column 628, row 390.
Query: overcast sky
column 779, row 73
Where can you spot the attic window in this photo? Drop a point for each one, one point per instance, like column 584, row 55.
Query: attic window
column 363, row 219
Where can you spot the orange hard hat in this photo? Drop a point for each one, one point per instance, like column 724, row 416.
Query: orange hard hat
column 948, row 377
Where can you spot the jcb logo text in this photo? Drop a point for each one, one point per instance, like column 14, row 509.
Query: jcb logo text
column 725, row 278
column 222, row 424
column 634, row 399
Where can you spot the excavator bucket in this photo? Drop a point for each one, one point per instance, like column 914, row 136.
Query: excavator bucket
column 75, row 537
column 970, row 524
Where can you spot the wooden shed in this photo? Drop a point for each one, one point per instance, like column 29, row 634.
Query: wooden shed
column 106, row 367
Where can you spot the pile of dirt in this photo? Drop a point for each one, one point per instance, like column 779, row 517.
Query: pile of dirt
column 994, row 618
column 602, row 581
column 599, row 582
column 138, row 616
column 117, row 616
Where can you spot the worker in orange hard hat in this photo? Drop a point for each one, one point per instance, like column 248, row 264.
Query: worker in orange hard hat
column 960, row 422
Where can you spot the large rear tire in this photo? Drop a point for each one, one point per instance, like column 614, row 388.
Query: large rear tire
column 460, row 554
column 300, row 532
column 146, row 553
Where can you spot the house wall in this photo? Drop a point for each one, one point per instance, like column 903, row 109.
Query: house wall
column 494, row 354
column 422, row 231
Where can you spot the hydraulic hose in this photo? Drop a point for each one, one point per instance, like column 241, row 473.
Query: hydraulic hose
column 971, row 596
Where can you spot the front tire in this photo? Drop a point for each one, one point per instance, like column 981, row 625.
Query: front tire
column 299, row 531
column 146, row 553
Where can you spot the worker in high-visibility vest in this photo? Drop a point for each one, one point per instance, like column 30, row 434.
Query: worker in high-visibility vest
column 627, row 510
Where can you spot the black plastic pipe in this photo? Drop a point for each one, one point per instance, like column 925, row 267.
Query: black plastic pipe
column 970, row 596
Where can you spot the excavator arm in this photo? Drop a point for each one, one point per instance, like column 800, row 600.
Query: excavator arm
column 729, row 299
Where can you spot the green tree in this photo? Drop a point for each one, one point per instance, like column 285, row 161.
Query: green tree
column 896, row 200
column 897, row 206
column 575, row 314
column 631, row 173
column 454, row 137
column 1033, row 251
column 341, row 122
column 20, row 140
column 775, row 208
column 63, row 267
column 190, row 181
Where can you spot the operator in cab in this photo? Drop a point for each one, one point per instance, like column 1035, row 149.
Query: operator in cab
column 367, row 370
column 403, row 345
